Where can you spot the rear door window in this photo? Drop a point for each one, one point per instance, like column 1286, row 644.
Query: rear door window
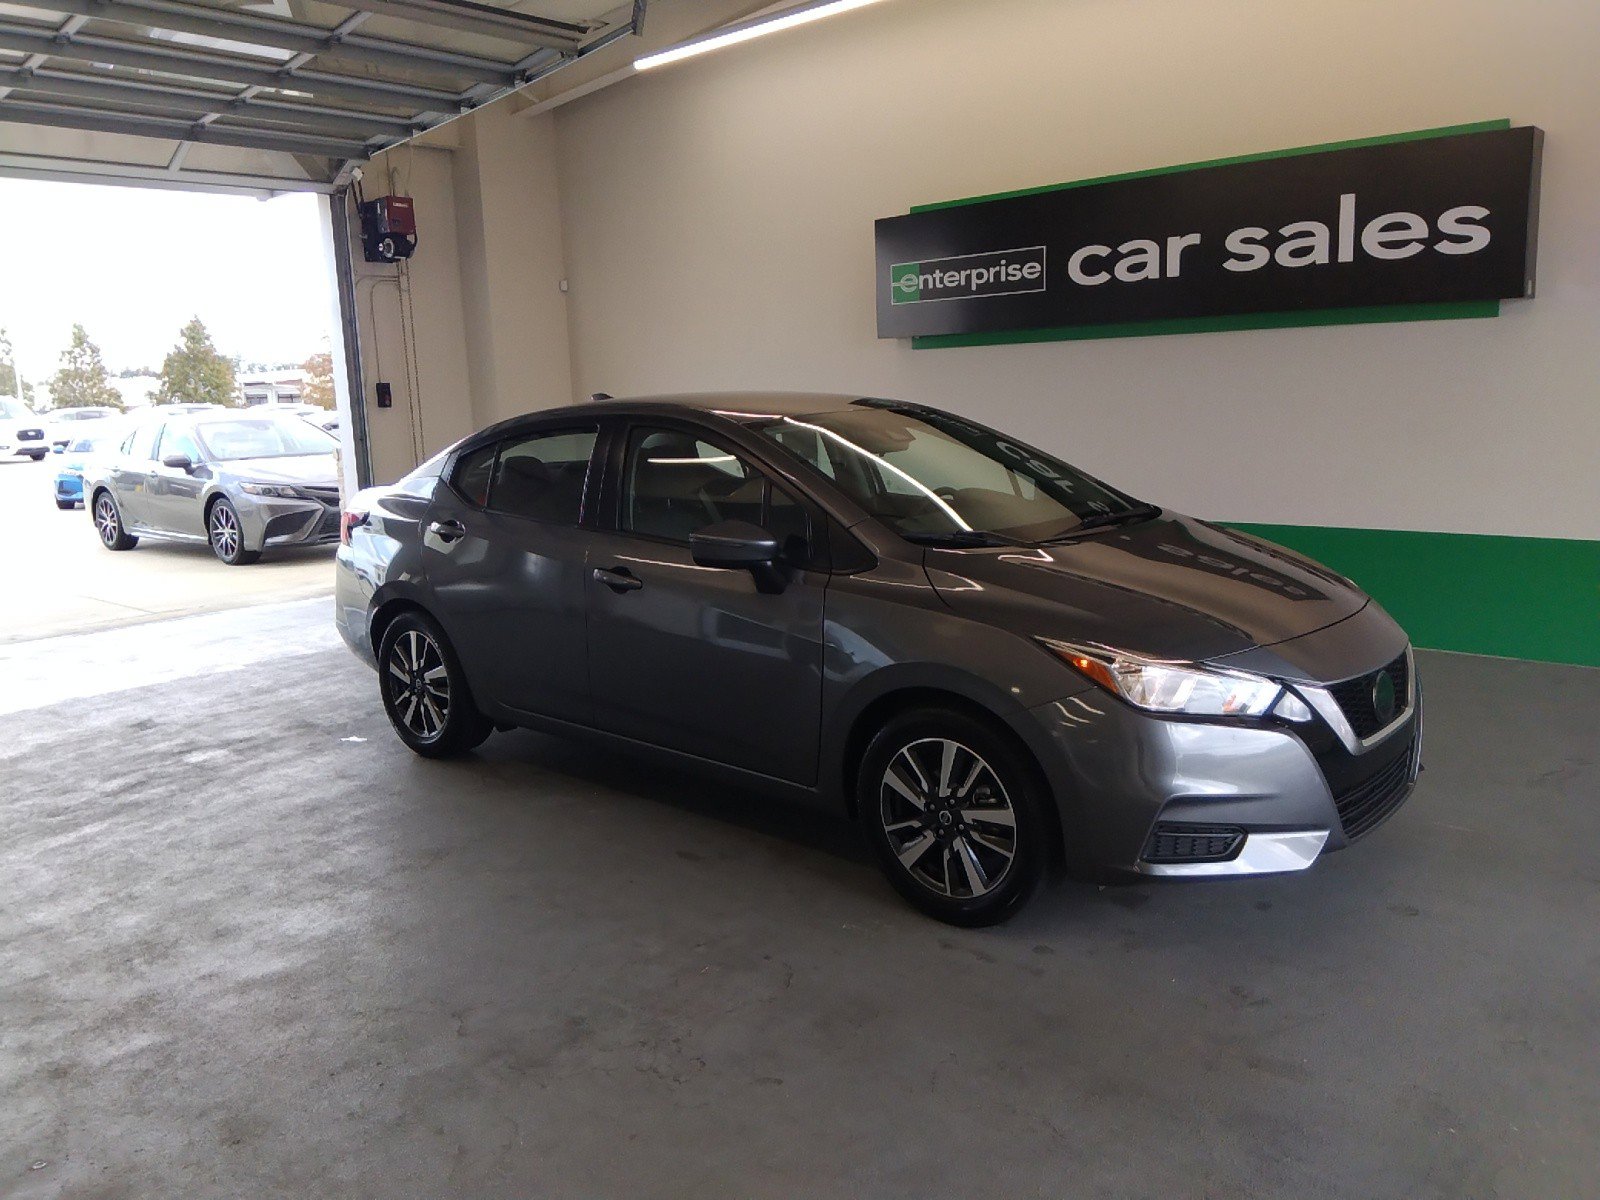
column 472, row 474
column 541, row 475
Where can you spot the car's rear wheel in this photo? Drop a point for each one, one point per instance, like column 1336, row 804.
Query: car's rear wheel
column 425, row 691
column 108, row 523
column 955, row 814
column 226, row 535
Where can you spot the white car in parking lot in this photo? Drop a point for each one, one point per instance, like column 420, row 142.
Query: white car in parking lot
column 21, row 431
column 67, row 425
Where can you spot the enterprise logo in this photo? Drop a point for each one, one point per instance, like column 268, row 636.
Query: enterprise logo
column 969, row 276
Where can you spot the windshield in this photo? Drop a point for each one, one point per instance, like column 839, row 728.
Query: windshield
column 929, row 474
column 261, row 437
column 14, row 410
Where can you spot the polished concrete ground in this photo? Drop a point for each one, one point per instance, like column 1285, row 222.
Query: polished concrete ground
column 244, row 951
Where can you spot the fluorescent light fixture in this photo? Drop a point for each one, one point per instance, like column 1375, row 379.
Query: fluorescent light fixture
column 744, row 33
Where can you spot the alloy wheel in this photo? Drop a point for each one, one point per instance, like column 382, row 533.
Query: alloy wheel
column 224, row 532
column 105, row 519
column 419, row 684
column 948, row 818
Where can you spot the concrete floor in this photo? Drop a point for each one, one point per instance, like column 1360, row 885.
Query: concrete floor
column 59, row 579
column 245, row 952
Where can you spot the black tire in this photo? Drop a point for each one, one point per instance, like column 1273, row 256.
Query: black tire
column 225, row 532
column 108, row 522
column 964, row 839
column 64, row 504
column 434, row 715
column 39, row 457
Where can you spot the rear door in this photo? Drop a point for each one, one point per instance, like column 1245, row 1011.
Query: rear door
column 693, row 658
column 503, row 558
column 130, row 475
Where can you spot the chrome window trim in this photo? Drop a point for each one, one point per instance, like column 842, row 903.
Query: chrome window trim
column 1261, row 854
column 1321, row 700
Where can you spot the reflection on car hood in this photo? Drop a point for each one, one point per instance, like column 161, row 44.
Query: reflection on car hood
column 297, row 468
column 1169, row 588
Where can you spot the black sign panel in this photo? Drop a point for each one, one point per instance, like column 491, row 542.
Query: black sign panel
column 1436, row 219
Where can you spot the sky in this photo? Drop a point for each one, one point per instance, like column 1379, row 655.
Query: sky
column 132, row 265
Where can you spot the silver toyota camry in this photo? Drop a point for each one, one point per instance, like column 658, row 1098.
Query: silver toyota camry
column 242, row 482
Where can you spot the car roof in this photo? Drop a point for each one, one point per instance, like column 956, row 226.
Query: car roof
column 737, row 406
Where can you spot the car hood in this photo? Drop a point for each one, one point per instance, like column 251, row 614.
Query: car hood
column 296, row 468
column 1173, row 587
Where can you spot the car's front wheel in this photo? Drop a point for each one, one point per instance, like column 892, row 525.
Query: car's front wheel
column 226, row 534
column 425, row 691
column 108, row 523
column 955, row 815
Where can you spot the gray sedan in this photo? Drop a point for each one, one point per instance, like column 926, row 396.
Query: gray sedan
column 242, row 482
column 994, row 662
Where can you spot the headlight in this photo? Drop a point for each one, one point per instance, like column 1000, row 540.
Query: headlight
column 268, row 489
column 1166, row 687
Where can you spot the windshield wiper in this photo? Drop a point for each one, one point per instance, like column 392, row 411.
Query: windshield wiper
column 1141, row 512
column 960, row 539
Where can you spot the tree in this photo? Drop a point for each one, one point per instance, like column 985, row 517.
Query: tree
column 8, row 367
column 319, row 380
column 82, row 381
column 194, row 372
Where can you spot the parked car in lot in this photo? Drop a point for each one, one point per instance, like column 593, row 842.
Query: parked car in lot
column 243, row 482
column 993, row 661
column 21, row 431
column 67, row 486
column 65, row 424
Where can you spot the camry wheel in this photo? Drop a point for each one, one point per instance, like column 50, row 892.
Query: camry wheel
column 954, row 814
column 227, row 535
column 425, row 691
column 108, row 523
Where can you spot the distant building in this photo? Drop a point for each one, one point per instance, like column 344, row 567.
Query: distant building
column 272, row 387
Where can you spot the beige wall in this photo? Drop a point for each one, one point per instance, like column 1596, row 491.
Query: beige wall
column 716, row 227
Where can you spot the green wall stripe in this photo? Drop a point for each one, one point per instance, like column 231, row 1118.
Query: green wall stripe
column 1274, row 320
column 1415, row 135
column 1533, row 598
column 1463, row 310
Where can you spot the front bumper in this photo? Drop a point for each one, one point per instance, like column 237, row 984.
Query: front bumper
column 271, row 521
column 1142, row 795
column 69, row 486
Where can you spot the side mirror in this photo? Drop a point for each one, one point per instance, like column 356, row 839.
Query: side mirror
column 734, row 545
column 741, row 546
column 178, row 462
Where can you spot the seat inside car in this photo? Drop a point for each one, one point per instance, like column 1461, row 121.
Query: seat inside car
column 681, row 485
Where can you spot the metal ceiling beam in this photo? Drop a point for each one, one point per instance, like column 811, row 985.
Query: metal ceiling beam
column 148, row 56
column 73, row 170
column 195, row 103
column 63, row 116
column 175, row 15
column 468, row 17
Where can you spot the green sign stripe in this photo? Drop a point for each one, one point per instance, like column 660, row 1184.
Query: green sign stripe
column 1416, row 135
column 1533, row 598
column 1220, row 324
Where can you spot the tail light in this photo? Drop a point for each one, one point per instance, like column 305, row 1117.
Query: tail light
column 348, row 520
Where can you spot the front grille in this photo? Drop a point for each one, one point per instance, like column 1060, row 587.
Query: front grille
column 327, row 495
column 1354, row 697
column 1363, row 806
column 30, row 435
column 1172, row 843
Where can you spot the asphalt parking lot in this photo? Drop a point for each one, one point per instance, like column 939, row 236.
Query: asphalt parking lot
column 250, row 946
column 59, row 579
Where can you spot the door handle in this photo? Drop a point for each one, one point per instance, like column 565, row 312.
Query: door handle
column 447, row 531
column 618, row 579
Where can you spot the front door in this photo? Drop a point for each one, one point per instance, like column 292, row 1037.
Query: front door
column 503, row 557
column 172, row 501
column 130, row 476
column 699, row 659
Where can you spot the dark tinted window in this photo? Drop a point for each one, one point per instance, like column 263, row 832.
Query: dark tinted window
column 473, row 469
column 541, row 475
column 676, row 483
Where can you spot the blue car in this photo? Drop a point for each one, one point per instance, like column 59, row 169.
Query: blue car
column 68, row 484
